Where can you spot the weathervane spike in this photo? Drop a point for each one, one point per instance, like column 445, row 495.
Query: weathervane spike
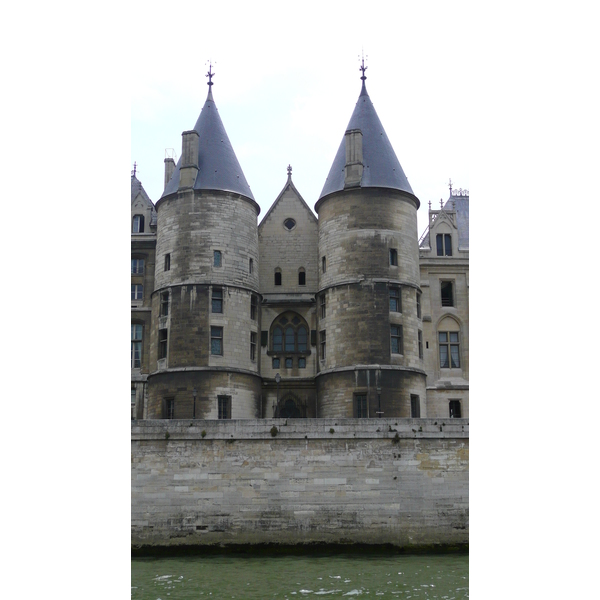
column 210, row 74
column 134, row 169
column 362, row 67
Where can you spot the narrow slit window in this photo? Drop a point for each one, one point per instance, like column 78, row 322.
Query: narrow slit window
column 278, row 276
column 396, row 339
column 167, row 262
column 217, row 258
column 163, row 336
column 393, row 257
column 217, row 300
column 302, row 277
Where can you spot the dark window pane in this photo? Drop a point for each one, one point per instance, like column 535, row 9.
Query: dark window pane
column 448, row 244
column 302, row 339
column 289, row 340
column 277, row 339
column 439, row 240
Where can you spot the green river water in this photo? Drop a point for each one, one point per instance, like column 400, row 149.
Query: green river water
column 332, row 575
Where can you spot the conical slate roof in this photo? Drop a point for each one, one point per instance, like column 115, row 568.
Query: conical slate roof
column 219, row 168
column 381, row 166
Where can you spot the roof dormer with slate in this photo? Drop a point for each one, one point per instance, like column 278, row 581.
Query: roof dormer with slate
column 143, row 213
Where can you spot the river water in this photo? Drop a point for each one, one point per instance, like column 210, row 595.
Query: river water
column 401, row 576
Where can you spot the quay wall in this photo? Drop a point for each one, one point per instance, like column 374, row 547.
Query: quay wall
column 300, row 481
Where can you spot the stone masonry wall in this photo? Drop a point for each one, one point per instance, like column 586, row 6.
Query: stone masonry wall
column 377, row 481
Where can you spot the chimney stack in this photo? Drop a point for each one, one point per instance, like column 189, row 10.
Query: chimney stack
column 169, row 168
column 354, row 158
column 189, row 159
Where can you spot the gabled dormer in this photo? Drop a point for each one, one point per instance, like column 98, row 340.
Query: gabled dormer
column 288, row 245
column 143, row 213
column 447, row 234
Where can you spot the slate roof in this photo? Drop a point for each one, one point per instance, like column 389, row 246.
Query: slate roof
column 462, row 221
column 219, row 168
column 381, row 166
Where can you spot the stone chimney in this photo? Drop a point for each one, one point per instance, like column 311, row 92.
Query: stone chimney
column 189, row 159
column 169, row 168
column 354, row 158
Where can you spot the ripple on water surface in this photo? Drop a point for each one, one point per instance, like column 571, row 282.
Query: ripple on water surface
column 244, row 577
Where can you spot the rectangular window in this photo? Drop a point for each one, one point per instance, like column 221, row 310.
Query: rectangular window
column 278, row 277
column 360, row 406
column 164, row 304
column 449, row 349
column 447, row 291
column 393, row 257
column 216, row 341
column 137, row 266
column 415, row 407
column 276, row 363
column 302, row 363
column 443, row 244
column 163, row 336
column 323, row 344
column 253, row 304
column 217, row 258
column 136, row 346
column 289, row 363
column 302, row 277
column 167, row 262
column 217, row 300
column 252, row 346
column 138, row 224
column 224, row 403
column 137, row 292
column 250, row 265
column 455, row 409
column 420, row 336
column 395, row 300
column 396, row 335
column 170, row 408
column 323, row 264
column 323, row 306
column 133, row 403
column 418, row 305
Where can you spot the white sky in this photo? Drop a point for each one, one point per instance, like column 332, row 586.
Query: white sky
column 287, row 81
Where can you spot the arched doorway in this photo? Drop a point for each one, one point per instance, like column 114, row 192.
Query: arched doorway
column 290, row 407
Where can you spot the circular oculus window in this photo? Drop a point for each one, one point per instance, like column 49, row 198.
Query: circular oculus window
column 289, row 224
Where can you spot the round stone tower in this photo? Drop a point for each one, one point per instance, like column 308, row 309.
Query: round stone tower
column 370, row 329
column 204, row 349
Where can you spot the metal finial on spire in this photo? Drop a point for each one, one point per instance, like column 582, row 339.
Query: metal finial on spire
column 210, row 74
column 289, row 170
column 450, row 185
column 362, row 67
column 441, row 203
column 134, row 169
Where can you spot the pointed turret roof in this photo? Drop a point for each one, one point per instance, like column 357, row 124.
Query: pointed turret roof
column 381, row 166
column 218, row 167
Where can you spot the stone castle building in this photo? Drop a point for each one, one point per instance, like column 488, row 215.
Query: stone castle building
column 344, row 315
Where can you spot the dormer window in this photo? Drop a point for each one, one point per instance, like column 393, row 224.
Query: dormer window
column 444, row 244
column 138, row 224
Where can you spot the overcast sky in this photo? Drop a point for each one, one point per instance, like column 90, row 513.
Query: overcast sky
column 286, row 83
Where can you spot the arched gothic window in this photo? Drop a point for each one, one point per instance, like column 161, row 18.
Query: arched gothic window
column 289, row 333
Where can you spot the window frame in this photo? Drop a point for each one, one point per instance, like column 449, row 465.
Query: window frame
column 216, row 335
column 137, row 266
column 361, row 406
column 452, row 403
column 397, row 298
column 419, row 307
column 289, row 362
column 323, row 343
column 448, row 345
column 164, row 304
column 444, row 301
column 169, row 408
column 223, row 407
column 323, row 306
column 136, row 344
column 253, row 346
column 137, row 289
column 415, row 406
column 253, row 307
column 301, row 276
column 393, row 254
column 167, row 262
column 324, row 264
column 289, row 334
column 217, row 259
column 139, row 221
column 443, row 243
column 398, row 336
column 420, row 341
column 216, row 300
column 163, row 343
column 278, row 277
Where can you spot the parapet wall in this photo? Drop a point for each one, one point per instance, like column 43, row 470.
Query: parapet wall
column 338, row 481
